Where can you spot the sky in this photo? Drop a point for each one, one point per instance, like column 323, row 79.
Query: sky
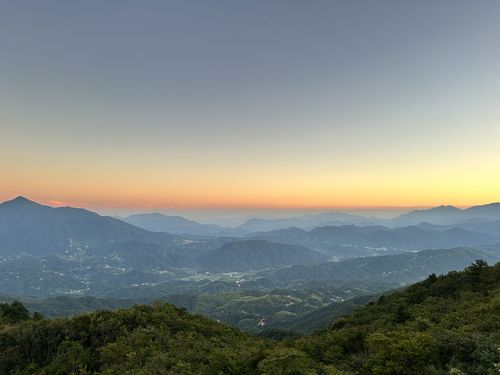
column 250, row 105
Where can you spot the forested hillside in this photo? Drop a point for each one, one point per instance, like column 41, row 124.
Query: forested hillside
column 443, row 325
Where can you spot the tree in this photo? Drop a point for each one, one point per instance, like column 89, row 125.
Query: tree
column 14, row 313
column 71, row 358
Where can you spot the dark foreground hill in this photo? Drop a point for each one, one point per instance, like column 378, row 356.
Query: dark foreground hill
column 443, row 325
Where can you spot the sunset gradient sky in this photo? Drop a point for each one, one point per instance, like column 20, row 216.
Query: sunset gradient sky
column 154, row 105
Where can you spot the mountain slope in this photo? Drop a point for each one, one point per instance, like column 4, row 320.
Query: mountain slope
column 323, row 317
column 449, row 215
column 435, row 215
column 32, row 228
column 399, row 269
column 487, row 211
column 156, row 222
column 247, row 255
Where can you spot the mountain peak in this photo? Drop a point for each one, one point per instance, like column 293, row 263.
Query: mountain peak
column 20, row 198
column 20, row 201
column 446, row 208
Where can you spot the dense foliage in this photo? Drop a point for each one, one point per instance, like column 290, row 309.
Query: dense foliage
column 443, row 325
column 141, row 340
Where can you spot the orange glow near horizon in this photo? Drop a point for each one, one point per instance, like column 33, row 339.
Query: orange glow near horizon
column 460, row 185
column 466, row 182
column 392, row 194
column 146, row 207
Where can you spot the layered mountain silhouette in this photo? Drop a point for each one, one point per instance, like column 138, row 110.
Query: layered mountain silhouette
column 32, row 228
column 52, row 251
column 441, row 215
column 349, row 241
column 307, row 221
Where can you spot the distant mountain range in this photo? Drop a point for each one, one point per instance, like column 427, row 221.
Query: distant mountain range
column 307, row 221
column 34, row 229
column 158, row 222
column 483, row 218
column 349, row 241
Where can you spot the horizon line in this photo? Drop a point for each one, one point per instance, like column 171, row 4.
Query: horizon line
column 152, row 207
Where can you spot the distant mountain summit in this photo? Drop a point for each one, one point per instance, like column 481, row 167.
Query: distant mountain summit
column 18, row 202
